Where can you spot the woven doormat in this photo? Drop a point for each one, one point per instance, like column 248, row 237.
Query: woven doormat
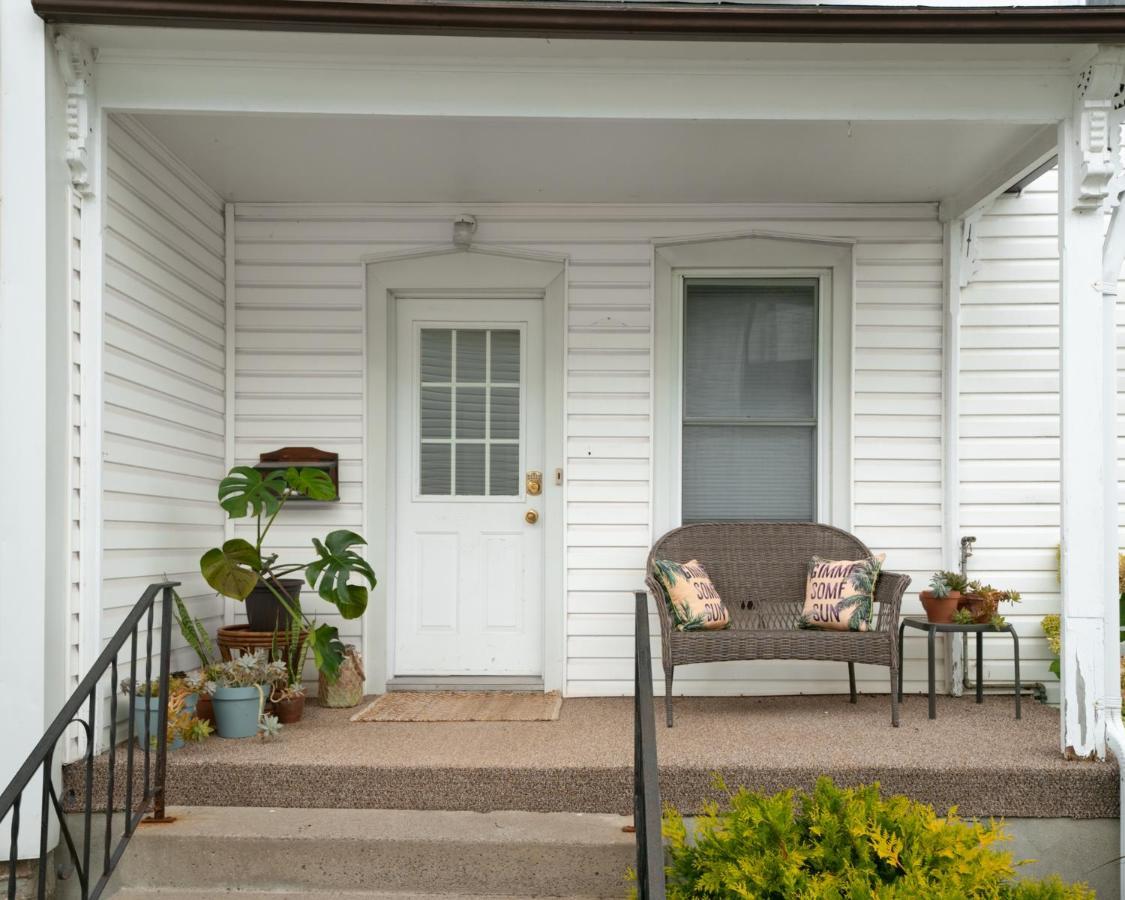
column 462, row 706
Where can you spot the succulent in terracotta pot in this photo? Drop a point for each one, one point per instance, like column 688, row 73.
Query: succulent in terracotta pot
column 982, row 603
column 943, row 596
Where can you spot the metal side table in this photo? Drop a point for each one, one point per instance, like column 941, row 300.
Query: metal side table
column 932, row 629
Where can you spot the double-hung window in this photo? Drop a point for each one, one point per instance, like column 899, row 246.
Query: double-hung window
column 749, row 438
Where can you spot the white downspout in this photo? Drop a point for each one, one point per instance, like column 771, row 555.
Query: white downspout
column 1113, row 257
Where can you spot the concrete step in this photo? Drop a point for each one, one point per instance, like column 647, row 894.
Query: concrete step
column 254, row 852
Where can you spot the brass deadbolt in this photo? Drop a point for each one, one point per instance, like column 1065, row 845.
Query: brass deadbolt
column 534, row 483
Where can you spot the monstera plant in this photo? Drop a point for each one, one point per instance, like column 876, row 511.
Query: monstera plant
column 240, row 568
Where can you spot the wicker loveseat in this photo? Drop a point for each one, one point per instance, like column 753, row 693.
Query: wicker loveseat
column 759, row 569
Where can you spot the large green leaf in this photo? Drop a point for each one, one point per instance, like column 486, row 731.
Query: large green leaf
column 232, row 569
column 312, row 483
column 331, row 573
column 246, row 491
column 328, row 651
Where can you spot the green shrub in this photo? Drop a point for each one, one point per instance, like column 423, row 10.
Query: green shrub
column 843, row 843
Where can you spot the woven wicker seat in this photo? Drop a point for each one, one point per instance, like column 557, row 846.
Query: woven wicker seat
column 759, row 569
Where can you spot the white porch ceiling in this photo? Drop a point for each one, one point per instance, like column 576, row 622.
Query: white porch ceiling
column 419, row 159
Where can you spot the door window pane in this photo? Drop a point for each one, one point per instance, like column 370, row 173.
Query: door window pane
column 469, row 429
column 437, row 355
column 505, row 357
column 471, row 356
column 436, row 472
column 437, row 412
column 470, row 470
column 504, row 473
column 505, row 418
column 749, row 399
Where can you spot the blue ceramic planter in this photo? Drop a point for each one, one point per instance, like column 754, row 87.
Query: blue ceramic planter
column 146, row 719
column 237, row 710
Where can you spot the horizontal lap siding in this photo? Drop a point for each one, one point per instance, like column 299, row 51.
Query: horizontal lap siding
column 299, row 321
column 163, row 413
column 299, row 379
column 1009, row 418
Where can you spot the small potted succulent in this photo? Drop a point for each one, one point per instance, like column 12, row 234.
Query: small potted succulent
column 239, row 690
column 183, row 724
column 980, row 604
column 944, row 596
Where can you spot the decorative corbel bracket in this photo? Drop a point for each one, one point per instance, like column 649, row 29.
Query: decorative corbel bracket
column 1098, row 109
column 77, row 64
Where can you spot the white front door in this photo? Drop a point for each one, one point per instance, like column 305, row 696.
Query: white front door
column 469, row 566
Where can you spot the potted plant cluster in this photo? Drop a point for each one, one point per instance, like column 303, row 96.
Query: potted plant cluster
column 980, row 605
column 239, row 689
column 183, row 723
column 953, row 598
column 242, row 569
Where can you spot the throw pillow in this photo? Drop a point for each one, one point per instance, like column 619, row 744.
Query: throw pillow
column 840, row 593
column 692, row 600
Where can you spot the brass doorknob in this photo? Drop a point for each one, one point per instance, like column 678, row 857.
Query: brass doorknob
column 532, row 516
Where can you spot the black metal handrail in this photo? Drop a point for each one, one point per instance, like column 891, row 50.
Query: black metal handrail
column 41, row 758
column 646, row 775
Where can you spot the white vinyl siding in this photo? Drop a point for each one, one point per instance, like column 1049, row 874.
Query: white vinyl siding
column 300, row 380
column 1009, row 419
column 163, row 400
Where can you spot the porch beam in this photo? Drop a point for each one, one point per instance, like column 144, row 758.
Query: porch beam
column 991, row 184
column 270, row 80
column 711, row 21
column 1091, row 699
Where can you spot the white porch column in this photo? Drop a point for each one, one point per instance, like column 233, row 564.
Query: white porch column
column 23, row 371
column 1087, row 164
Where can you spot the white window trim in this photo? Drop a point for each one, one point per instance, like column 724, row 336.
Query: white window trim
column 823, row 369
column 751, row 256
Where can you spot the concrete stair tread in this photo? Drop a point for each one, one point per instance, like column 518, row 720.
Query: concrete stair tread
column 255, row 853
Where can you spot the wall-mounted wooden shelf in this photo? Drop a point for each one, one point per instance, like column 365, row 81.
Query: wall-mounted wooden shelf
column 303, row 458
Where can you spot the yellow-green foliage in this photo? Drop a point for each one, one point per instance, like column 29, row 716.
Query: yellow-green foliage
column 843, row 843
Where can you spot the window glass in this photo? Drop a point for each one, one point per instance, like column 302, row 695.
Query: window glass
column 469, row 412
column 749, row 399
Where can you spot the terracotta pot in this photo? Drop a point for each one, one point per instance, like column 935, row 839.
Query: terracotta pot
column 980, row 609
column 940, row 610
column 204, row 710
column 289, row 711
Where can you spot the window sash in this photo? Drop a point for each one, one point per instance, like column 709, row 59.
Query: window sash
column 761, row 422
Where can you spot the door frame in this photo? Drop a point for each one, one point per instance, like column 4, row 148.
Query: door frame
column 458, row 273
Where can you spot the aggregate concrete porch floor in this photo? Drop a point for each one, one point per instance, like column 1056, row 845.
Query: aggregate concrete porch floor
column 977, row 757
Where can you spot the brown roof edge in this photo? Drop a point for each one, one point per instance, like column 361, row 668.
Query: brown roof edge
column 1060, row 24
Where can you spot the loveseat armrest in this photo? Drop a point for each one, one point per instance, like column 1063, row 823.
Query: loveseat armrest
column 888, row 594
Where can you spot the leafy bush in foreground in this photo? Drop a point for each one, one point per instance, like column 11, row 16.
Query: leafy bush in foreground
column 843, row 843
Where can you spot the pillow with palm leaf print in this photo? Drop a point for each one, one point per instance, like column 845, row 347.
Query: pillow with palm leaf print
column 692, row 600
column 840, row 593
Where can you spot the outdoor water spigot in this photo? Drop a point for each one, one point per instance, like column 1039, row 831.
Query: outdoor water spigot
column 966, row 550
